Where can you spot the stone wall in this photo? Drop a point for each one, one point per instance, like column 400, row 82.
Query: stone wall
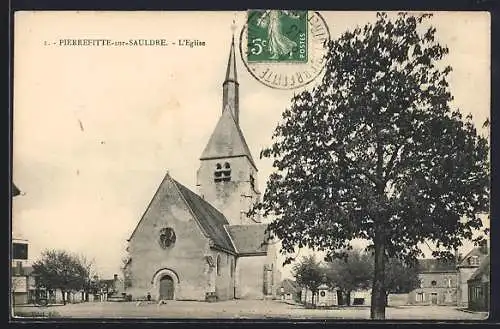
column 464, row 274
column 250, row 272
column 443, row 292
column 233, row 198
column 224, row 287
column 184, row 261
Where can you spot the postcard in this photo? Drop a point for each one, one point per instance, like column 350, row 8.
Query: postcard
column 259, row 164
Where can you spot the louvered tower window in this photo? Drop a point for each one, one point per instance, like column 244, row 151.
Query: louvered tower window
column 222, row 172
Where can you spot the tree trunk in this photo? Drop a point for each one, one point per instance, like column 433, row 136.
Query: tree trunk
column 348, row 298
column 377, row 308
column 386, row 299
column 63, row 293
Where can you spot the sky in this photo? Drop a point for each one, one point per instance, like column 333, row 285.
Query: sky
column 95, row 129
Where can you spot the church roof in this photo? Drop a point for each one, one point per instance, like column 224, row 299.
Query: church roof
column 249, row 239
column 227, row 140
column 210, row 219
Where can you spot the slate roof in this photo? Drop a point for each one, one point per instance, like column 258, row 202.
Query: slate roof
column 476, row 251
column 210, row 219
column 484, row 269
column 249, row 239
column 432, row 265
column 227, row 140
column 238, row 239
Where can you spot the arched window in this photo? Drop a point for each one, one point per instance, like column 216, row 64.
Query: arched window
column 222, row 173
column 218, row 264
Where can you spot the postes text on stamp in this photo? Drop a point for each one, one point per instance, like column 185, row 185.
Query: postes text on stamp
column 284, row 49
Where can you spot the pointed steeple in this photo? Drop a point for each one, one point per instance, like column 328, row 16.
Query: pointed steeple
column 231, row 74
column 230, row 92
column 227, row 140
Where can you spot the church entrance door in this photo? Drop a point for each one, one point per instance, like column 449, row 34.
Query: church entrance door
column 166, row 288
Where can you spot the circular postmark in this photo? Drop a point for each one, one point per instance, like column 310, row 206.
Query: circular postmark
column 284, row 49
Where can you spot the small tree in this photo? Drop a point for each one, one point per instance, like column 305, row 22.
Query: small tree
column 58, row 269
column 309, row 273
column 350, row 273
column 400, row 277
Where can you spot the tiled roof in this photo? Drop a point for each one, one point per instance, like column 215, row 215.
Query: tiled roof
column 290, row 286
column 210, row 219
column 249, row 239
column 432, row 265
column 484, row 269
column 227, row 140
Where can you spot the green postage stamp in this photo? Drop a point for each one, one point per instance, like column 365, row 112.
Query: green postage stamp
column 284, row 49
column 277, row 35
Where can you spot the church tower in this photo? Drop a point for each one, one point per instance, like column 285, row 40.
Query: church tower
column 227, row 176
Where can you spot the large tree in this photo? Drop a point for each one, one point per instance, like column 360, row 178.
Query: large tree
column 350, row 273
column 309, row 273
column 376, row 151
column 59, row 269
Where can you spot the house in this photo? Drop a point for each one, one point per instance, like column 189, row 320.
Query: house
column 289, row 290
column 112, row 288
column 23, row 285
column 479, row 287
column 327, row 297
column 466, row 268
column 438, row 283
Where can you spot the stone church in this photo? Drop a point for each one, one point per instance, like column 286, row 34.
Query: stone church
column 203, row 246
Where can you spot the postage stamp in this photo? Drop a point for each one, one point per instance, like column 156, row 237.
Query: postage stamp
column 277, row 35
column 284, row 49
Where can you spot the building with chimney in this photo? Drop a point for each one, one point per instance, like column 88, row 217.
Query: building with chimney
column 438, row 283
column 466, row 269
column 204, row 245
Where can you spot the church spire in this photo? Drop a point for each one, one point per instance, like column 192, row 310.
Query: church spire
column 231, row 74
column 230, row 86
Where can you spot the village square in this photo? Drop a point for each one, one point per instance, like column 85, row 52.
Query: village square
column 209, row 252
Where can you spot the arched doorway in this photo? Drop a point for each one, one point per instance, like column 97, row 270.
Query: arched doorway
column 166, row 288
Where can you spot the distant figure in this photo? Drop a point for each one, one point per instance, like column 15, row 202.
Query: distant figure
column 279, row 44
column 149, row 297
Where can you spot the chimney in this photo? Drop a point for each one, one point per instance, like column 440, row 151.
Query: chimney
column 484, row 247
column 115, row 277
